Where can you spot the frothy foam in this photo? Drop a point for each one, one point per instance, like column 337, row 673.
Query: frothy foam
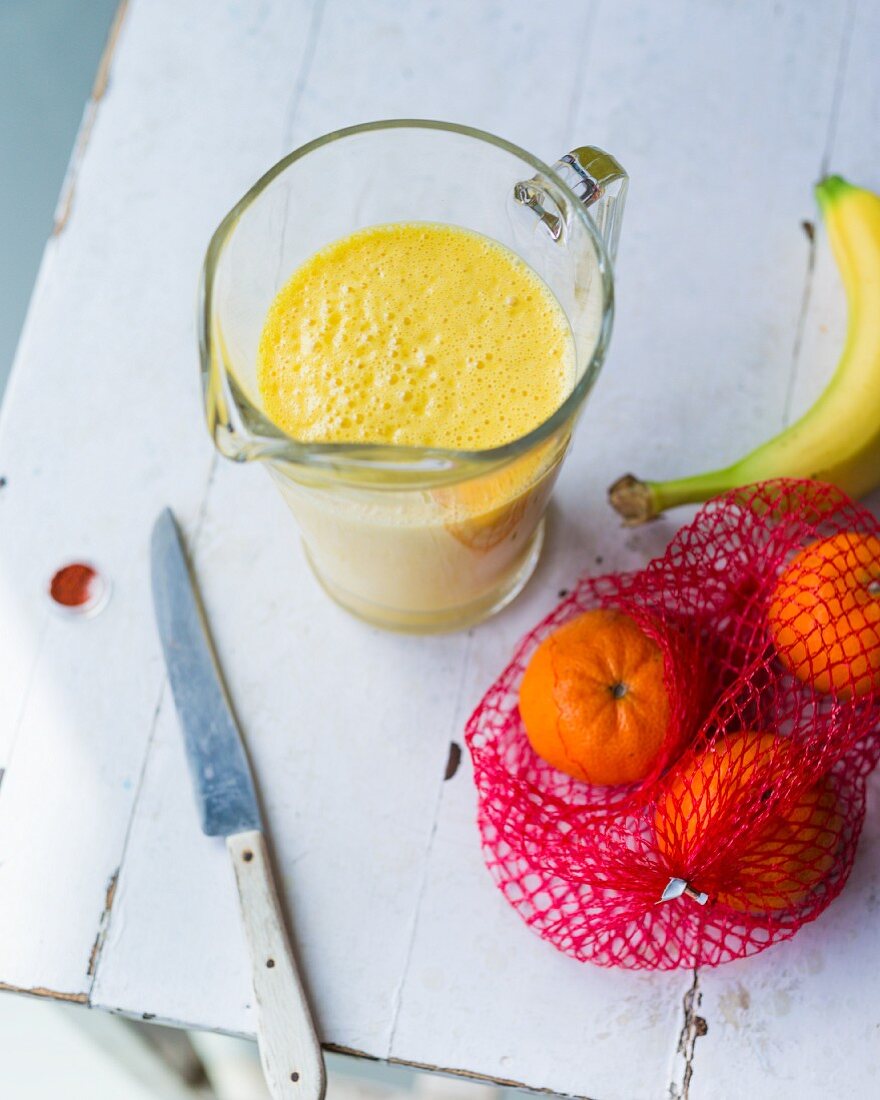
column 414, row 334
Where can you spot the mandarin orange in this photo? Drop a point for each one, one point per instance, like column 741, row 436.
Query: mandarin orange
column 825, row 615
column 593, row 699
column 793, row 850
column 705, row 788
column 791, row 856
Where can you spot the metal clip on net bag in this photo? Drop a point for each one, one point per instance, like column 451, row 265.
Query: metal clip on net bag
column 767, row 609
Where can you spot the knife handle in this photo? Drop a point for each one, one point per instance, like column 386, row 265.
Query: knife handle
column 289, row 1049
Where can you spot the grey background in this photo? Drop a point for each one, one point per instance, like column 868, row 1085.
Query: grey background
column 49, row 51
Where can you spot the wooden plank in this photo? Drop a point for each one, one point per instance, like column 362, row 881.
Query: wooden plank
column 703, row 343
column 802, row 1019
column 101, row 427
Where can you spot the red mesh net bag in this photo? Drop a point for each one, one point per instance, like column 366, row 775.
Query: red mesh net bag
column 767, row 611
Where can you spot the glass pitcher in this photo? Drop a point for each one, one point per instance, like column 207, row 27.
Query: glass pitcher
column 412, row 538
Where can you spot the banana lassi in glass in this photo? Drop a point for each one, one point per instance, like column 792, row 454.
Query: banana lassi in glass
column 402, row 321
column 420, row 335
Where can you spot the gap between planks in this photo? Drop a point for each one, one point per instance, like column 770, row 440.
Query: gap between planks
column 809, row 228
column 303, row 76
column 694, row 1027
column 397, row 999
column 106, row 917
column 103, row 924
column 22, row 710
column 580, row 81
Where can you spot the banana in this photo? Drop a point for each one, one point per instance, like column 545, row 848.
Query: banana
column 838, row 439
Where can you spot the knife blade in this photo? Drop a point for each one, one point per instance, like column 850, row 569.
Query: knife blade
column 221, row 775
column 290, row 1053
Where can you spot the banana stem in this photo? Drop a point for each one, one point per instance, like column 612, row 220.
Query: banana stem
column 638, row 501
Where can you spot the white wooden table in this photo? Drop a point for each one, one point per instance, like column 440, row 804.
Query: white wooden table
column 729, row 320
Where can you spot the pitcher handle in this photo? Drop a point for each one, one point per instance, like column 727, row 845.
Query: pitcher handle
column 597, row 179
column 600, row 183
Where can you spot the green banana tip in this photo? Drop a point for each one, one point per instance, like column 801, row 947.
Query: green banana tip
column 831, row 188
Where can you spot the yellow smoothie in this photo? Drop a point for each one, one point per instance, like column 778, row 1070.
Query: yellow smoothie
column 425, row 335
column 415, row 334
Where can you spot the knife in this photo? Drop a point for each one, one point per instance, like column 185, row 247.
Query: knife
column 289, row 1049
